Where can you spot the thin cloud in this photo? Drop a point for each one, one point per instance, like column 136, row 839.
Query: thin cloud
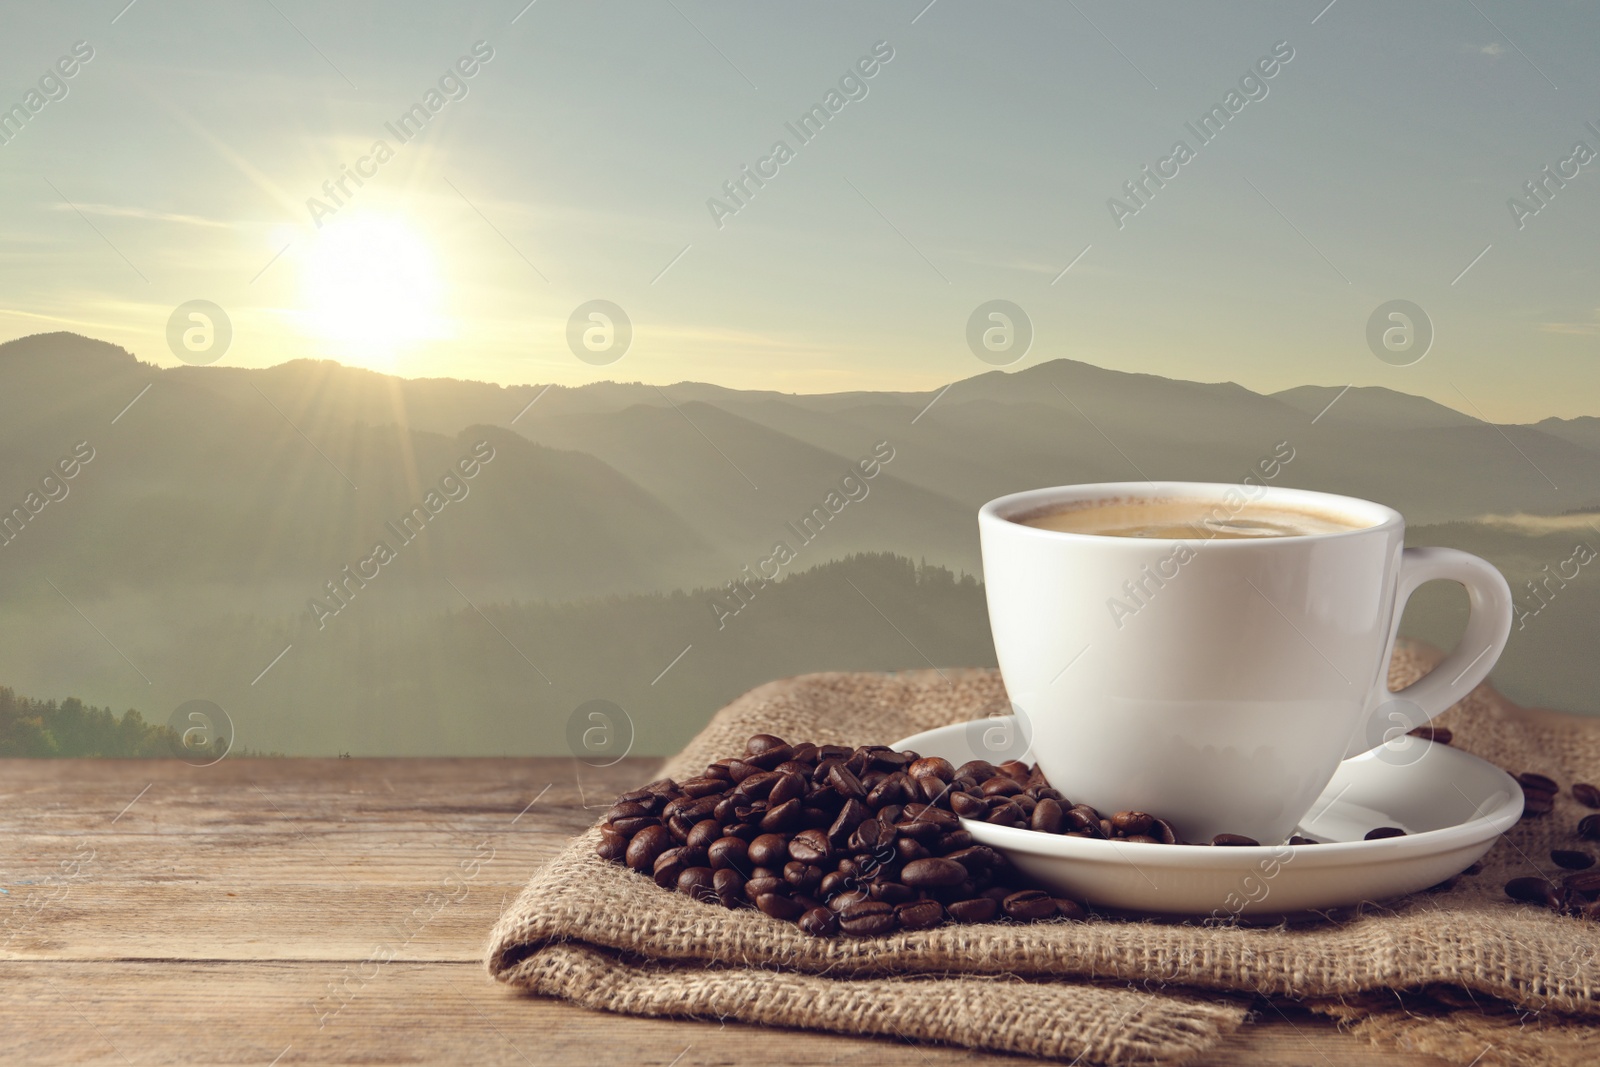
column 117, row 211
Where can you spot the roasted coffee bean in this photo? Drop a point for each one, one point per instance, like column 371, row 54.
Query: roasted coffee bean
column 977, row 910
column 719, row 769
column 1026, row 803
column 783, row 818
column 758, row 886
column 756, row 786
column 742, row 830
column 668, row 866
column 813, row 816
column 1298, row 840
column 888, row 815
column 917, row 830
column 979, row 770
column 1535, row 803
column 944, row 820
column 974, row 859
column 895, row 789
column 865, row 837
column 968, row 807
column 851, row 815
column 819, row 922
column 705, row 787
column 834, row 883
column 1586, row 882
column 802, row 877
column 1378, row 833
column 1589, row 827
column 845, row 783
column 805, row 752
column 1071, row 909
column 1590, row 911
column 729, row 853
column 937, row 766
column 1048, row 818
column 771, row 757
column 702, row 833
column 1015, row 770
column 786, row 787
column 1162, row 831
column 1128, row 823
column 612, row 846
column 1083, row 817
column 954, row 841
column 1140, row 839
column 1529, row 890
column 1438, row 734
column 740, row 769
column 1586, row 794
column 769, row 850
column 891, row 892
column 1533, row 780
column 1001, row 787
column 1029, row 904
column 640, row 796
column 662, row 786
column 833, row 752
column 729, row 886
column 631, row 826
column 759, row 743
column 868, row 919
column 1571, row 860
column 1007, row 814
column 811, row 846
column 624, row 809
column 932, row 872
column 698, row 883
column 909, row 850
column 841, row 901
column 919, row 914
column 1241, row 841
column 931, row 788
column 646, row 845
column 779, row 907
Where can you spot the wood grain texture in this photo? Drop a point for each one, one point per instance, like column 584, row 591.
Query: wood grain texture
column 159, row 913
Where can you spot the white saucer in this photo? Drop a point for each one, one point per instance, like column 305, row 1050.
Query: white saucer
column 1452, row 805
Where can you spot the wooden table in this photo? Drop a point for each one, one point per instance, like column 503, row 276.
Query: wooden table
column 161, row 913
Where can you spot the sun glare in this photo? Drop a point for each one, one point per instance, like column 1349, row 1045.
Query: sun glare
column 371, row 290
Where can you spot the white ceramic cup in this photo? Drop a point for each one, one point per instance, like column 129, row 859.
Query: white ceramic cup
column 1236, row 674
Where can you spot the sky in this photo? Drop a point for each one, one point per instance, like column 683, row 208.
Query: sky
column 979, row 161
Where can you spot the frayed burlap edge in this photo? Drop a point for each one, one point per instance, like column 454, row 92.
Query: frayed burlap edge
column 1058, row 1020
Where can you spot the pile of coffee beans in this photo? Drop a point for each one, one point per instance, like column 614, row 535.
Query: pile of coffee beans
column 1577, row 893
column 859, row 841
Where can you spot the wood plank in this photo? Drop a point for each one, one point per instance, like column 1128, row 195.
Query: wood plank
column 251, row 1013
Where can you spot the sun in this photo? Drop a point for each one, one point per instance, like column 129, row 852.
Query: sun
column 371, row 289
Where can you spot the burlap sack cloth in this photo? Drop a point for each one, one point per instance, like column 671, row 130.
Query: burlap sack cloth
column 1449, row 972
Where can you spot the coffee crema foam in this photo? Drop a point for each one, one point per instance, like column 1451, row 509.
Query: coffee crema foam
column 1189, row 519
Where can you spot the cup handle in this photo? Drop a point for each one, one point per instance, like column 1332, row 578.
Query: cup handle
column 1488, row 627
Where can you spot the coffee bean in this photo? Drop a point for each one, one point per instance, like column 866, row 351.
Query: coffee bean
column 698, row 883
column 640, row 796
column 779, row 907
column 624, row 809
column 977, row 910
column 968, row 807
column 771, row 757
column 1015, row 770
column 954, row 841
column 850, row 816
column 631, row 826
column 759, row 743
column 891, row 892
column 1143, row 839
column 729, row 853
column 1590, row 911
column 1535, row 803
column 1029, row 904
column 769, row 850
column 1298, row 840
column 803, row 877
column 787, row 787
column 811, row 846
column 1529, row 890
column 1000, row 787
column 868, row 919
column 1162, row 831
column 783, row 818
column 705, row 787
column 845, row 783
column 1007, row 814
column 1241, row 841
column 1048, row 817
column 1071, row 909
column 865, row 837
column 1572, row 861
column 1589, row 827
column 729, row 886
column 1084, row 818
column 1586, row 882
column 888, row 815
column 841, row 901
column 895, row 789
column 1381, row 832
column 662, row 786
column 702, row 833
column 1586, row 794
column 974, row 859
column 742, row 830
column 671, row 864
column 937, row 766
column 980, row 770
column 759, row 885
column 1129, row 823
column 646, row 845
column 932, row 872
column 1532, row 780
column 909, row 850
column 819, row 922
column 612, row 846
column 919, row 914
column 740, row 769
